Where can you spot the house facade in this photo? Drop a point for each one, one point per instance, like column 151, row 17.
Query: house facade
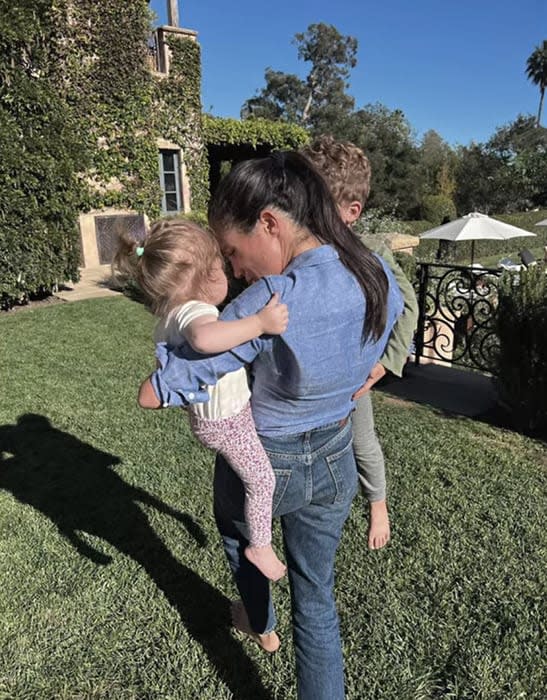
column 136, row 90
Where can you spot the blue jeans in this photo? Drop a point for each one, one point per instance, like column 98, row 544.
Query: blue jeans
column 316, row 480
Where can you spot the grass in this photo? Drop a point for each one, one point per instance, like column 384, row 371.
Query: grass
column 112, row 577
column 493, row 260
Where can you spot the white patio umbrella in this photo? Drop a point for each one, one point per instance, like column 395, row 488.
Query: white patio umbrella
column 542, row 223
column 473, row 227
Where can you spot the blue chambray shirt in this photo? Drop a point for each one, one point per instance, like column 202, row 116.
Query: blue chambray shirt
column 304, row 378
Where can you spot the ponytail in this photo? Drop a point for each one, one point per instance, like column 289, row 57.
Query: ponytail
column 125, row 261
column 288, row 181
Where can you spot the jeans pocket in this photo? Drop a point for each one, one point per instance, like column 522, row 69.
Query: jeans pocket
column 344, row 473
column 282, row 478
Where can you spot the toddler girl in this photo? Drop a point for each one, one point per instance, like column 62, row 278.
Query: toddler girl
column 179, row 269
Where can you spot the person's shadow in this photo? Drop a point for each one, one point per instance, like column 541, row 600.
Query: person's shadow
column 73, row 484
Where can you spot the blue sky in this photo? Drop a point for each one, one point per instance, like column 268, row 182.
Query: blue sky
column 456, row 66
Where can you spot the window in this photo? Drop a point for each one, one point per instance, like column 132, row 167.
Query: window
column 171, row 201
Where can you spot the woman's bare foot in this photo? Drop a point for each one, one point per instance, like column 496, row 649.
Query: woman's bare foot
column 266, row 561
column 378, row 530
column 269, row 642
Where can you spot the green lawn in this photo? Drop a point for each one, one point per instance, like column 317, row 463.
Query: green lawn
column 112, row 578
column 493, row 260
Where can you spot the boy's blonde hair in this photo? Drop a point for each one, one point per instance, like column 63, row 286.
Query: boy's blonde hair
column 343, row 165
column 172, row 265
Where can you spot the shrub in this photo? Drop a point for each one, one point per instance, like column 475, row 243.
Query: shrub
column 199, row 217
column 39, row 242
column 522, row 328
column 438, row 207
column 374, row 221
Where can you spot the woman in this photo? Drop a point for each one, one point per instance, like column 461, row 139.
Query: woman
column 277, row 223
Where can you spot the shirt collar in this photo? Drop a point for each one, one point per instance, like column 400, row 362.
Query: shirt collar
column 314, row 256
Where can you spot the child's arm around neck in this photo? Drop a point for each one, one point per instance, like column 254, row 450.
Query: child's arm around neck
column 207, row 335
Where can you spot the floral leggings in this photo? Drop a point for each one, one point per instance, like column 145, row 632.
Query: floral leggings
column 237, row 441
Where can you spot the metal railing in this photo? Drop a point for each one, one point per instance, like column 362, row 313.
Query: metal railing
column 457, row 316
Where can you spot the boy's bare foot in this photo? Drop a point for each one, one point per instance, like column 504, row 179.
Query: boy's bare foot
column 269, row 642
column 266, row 561
column 378, row 530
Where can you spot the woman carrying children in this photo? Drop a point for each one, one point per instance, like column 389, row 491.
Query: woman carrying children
column 277, row 223
column 180, row 270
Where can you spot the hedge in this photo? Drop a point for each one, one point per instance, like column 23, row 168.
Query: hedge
column 39, row 189
column 522, row 329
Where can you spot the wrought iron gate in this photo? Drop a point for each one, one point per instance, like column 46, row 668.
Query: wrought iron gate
column 457, row 315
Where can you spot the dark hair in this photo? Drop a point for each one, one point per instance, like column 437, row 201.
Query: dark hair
column 288, row 181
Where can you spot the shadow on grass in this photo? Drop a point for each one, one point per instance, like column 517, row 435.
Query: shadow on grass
column 72, row 483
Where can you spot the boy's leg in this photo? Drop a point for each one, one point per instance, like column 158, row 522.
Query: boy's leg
column 368, row 452
column 371, row 470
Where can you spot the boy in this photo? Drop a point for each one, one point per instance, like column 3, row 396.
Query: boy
column 347, row 171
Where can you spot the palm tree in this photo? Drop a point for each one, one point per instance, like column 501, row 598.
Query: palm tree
column 536, row 71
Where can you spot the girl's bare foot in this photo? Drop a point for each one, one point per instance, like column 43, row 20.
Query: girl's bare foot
column 378, row 530
column 269, row 642
column 266, row 561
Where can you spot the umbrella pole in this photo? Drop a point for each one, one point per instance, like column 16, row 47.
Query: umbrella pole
column 472, row 252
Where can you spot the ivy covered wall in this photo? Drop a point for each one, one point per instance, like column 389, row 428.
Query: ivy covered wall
column 178, row 104
column 81, row 113
column 39, row 189
column 108, row 83
column 124, row 106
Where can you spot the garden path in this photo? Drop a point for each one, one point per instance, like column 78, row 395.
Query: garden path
column 449, row 389
column 94, row 282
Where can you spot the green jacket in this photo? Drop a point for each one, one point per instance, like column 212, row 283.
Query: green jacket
column 400, row 340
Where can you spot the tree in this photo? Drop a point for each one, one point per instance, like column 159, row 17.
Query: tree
column 536, row 71
column 318, row 102
column 521, row 177
column 437, row 163
column 387, row 139
column 475, row 179
column 282, row 99
column 517, row 136
column 507, row 173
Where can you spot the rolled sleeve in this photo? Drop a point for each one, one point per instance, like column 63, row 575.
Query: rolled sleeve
column 183, row 375
column 173, row 381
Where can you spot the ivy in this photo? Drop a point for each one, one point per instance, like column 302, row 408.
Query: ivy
column 39, row 192
column 178, row 103
column 112, row 91
column 256, row 132
column 80, row 116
